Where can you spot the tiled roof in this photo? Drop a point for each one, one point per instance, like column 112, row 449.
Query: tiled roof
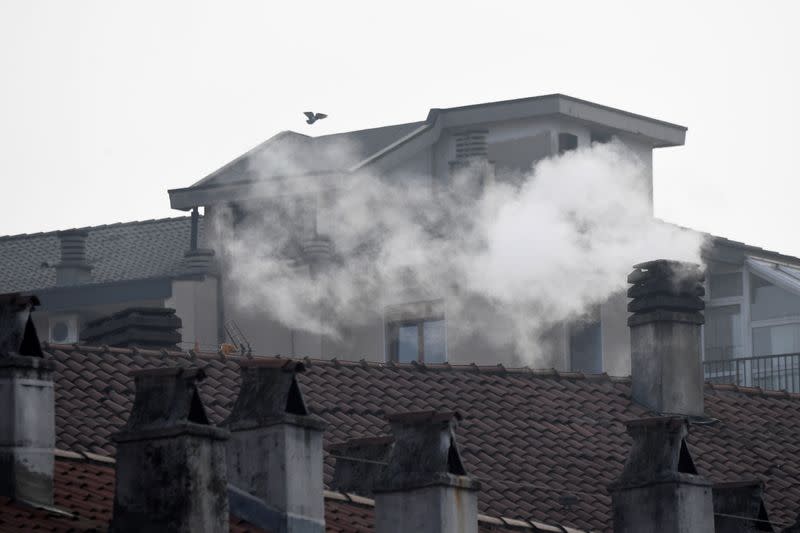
column 544, row 444
column 83, row 501
column 116, row 252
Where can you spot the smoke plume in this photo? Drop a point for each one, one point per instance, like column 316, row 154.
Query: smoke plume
column 511, row 257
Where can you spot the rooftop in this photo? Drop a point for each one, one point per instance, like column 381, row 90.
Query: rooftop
column 124, row 251
column 524, row 432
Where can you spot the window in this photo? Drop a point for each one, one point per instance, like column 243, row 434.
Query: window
column 63, row 329
column 585, row 347
column 416, row 332
column 567, row 142
column 723, row 332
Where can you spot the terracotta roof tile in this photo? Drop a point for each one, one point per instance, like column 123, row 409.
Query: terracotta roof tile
column 532, row 437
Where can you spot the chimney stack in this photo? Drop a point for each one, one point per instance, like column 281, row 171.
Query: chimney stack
column 660, row 490
column 73, row 267
column 666, row 365
column 170, row 472
column 143, row 327
column 425, row 488
column 27, row 406
column 275, row 450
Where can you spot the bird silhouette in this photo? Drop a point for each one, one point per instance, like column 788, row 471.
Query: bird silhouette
column 313, row 117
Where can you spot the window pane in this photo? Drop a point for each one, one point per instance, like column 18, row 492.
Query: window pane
column 585, row 347
column 725, row 285
column 770, row 301
column 407, row 344
column 723, row 333
column 433, row 335
column 775, row 340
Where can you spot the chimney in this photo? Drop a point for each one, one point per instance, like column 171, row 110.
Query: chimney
column 660, row 490
column 170, row 472
column 27, row 406
column 317, row 252
column 425, row 488
column 359, row 463
column 666, row 366
column 143, row 327
column 739, row 507
column 275, row 451
column 73, row 267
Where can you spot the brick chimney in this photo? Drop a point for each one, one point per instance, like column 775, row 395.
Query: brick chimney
column 27, row 406
column 143, row 327
column 666, row 365
column 425, row 488
column 73, row 268
column 275, row 450
column 170, row 472
column 660, row 490
column 359, row 463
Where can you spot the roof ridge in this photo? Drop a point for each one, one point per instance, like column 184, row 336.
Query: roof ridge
column 368, row 129
column 92, row 228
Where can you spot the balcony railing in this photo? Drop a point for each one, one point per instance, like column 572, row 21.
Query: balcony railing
column 772, row 372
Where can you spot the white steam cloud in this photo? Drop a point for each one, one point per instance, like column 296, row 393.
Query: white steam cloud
column 515, row 256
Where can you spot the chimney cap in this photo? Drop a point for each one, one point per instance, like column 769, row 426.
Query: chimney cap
column 269, row 394
column 425, row 453
column 167, row 403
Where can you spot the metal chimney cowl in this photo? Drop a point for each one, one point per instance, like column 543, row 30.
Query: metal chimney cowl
column 666, row 353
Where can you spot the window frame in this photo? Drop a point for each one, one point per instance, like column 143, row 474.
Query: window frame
column 412, row 314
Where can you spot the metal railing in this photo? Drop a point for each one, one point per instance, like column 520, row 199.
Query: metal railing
column 772, row 372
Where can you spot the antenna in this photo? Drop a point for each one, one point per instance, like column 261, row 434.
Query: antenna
column 237, row 338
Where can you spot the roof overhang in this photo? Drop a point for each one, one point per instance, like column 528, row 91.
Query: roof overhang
column 656, row 132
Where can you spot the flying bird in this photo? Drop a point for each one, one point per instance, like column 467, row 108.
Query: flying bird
column 313, row 117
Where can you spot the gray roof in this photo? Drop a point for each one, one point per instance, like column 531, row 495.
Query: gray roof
column 117, row 252
column 319, row 155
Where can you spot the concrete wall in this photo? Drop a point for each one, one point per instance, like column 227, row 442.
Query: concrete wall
column 195, row 302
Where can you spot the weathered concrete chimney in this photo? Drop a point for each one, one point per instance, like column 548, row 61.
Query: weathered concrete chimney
column 73, row 268
column 171, row 472
column 660, row 490
column 144, row 327
column 425, row 488
column 27, row 406
column 666, row 365
column 275, row 450
column 739, row 507
column 359, row 463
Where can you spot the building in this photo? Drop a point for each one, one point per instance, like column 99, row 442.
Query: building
column 529, row 451
column 751, row 338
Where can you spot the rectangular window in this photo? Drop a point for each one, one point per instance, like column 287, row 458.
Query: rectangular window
column 768, row 301
column 567, row 142
column 775, row 340
column 725, row 285
column 723, row 332
column 416, row 332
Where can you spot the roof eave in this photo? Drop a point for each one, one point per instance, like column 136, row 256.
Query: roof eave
column 658, row 132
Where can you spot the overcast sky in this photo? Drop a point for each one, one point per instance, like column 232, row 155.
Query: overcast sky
column 105, row 105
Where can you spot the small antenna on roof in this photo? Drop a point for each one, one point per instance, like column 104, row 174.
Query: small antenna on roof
column 313, row 117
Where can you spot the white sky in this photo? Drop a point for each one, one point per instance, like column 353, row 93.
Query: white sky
column 105, row 105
